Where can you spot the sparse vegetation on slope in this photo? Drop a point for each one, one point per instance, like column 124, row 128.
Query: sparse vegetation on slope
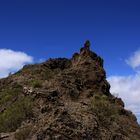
column 12, row 117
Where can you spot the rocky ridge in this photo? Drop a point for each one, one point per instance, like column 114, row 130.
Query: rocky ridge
column 63, row 99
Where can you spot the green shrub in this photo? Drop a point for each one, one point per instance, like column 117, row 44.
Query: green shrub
column 105, row 110
column 12, row 117
column 8, row 94
column 36, row 83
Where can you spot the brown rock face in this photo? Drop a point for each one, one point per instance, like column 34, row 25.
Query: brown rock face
column 64, row 99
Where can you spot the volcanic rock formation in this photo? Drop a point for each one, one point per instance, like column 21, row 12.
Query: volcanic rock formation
column 63, row 99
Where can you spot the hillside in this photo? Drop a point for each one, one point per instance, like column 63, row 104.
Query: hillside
column 63, row 99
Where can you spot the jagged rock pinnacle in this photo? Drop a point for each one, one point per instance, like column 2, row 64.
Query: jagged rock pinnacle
column 87, row 44
column 85, row 50
column 85, row 55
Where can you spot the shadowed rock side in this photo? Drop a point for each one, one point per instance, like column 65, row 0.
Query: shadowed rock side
column 63, row 99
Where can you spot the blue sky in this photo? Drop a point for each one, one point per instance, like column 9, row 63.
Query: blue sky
column 40, row 29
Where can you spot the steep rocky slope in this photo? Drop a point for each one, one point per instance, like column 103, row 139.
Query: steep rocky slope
column 63, row 99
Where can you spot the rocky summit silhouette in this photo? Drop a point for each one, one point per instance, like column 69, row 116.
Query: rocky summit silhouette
column 63, row 99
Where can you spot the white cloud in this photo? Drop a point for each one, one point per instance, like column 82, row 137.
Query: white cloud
column 134, row 59
column 128, row 87
column 11, row 61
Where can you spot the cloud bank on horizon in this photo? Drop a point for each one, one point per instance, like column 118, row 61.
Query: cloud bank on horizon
column 128, row 87
column 12, row 61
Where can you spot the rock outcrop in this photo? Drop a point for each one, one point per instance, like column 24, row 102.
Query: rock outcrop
column 63, row 99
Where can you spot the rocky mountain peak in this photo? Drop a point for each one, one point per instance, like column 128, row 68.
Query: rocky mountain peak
column 86, row 56
column 63, row 99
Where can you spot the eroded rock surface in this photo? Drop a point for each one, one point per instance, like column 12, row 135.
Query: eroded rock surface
column 63, row 99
